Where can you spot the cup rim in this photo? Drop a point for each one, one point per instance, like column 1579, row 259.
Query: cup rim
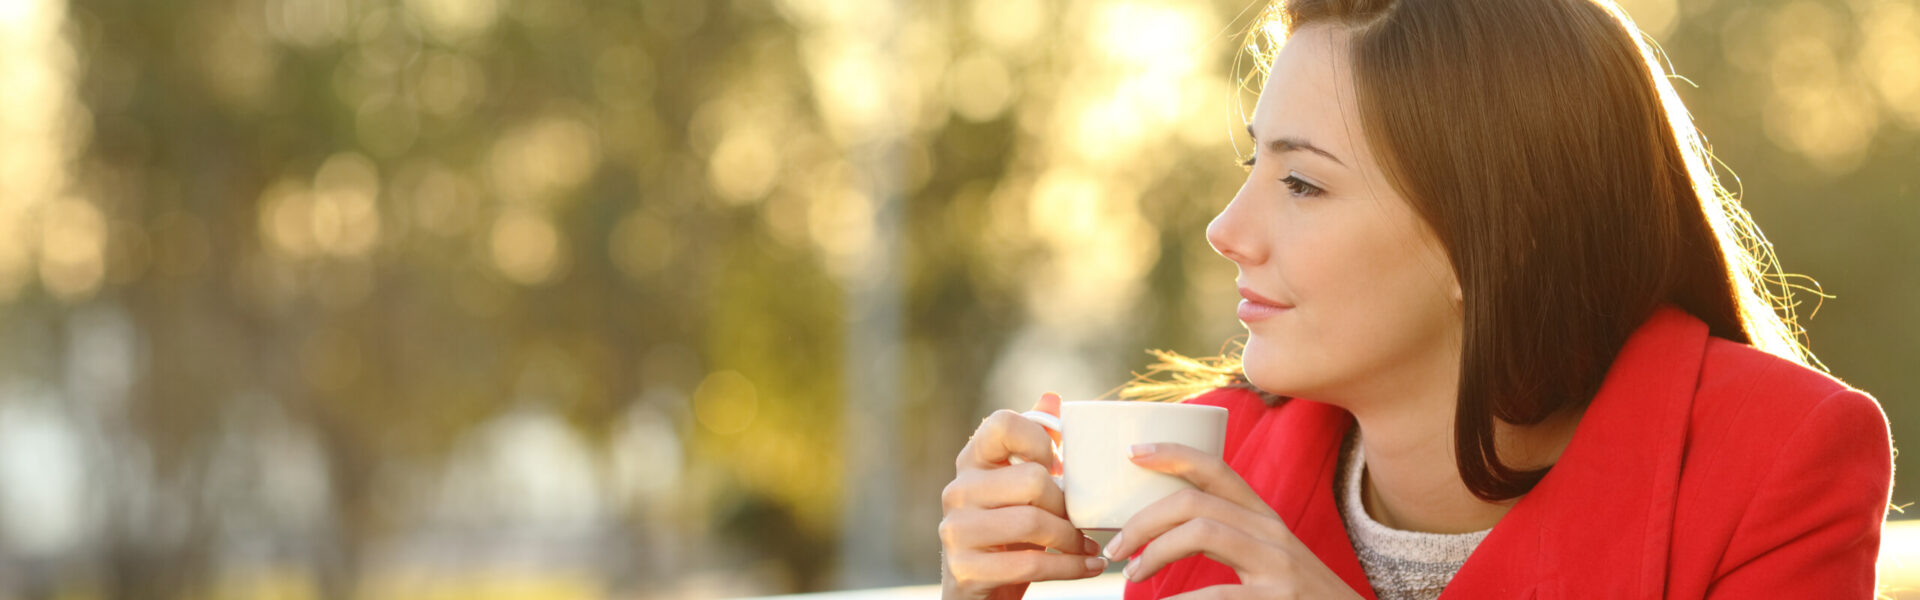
column 1141, row 403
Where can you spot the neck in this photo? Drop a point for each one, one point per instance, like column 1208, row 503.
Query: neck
column 1412, row 482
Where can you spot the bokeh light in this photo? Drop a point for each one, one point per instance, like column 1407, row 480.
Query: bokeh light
column 526, row 247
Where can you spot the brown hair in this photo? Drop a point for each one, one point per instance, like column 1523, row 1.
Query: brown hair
column 1543, row 144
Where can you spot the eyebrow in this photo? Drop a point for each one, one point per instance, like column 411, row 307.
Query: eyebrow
column 1286, row 144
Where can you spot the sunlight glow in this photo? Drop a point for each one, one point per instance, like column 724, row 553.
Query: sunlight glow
column 979, row 86
column 73, row 239
column 41, row 130
column 544, row 160
column 1819, row 107
column 1655, row 17
column 1890, row 57
column 526, row 247
column 726, row 403
column 744, row 165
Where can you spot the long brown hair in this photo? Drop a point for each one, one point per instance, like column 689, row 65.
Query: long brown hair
column 1542, row 143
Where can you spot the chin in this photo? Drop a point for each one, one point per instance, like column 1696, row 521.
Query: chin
column 1281, row 370
column 1264, row 365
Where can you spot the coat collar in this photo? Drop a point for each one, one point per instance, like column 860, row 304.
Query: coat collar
column 1607, row 503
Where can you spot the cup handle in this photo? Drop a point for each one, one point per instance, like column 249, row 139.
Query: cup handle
column 1044, row 419
column 1050, row 422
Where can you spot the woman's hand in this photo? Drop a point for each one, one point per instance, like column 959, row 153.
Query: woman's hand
column 1225, row 521
column 1002, row 516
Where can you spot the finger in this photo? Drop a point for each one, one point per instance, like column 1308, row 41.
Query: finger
column 1186, row 505
column 974, row 529
column 1028, row 484
column 1204, row 471
column 1003, row 435
column 1049, row 403
column 1215, row 540
column 994, row 569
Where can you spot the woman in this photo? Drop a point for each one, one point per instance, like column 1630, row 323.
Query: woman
column 1507, row 338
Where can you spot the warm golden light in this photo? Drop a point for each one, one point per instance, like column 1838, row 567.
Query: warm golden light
column 841, row 221
column 73, row 237
column 344, row 219
column 286, row 209
column 1655, row 17
column 44, row 229
column 1009, row 25
column 526, row 247
column 448, row 84
column 444, row 202
column 726, row 403
column 310, row 23
column 1890, row 57
column 1097, row 247
column 979, row 87
column 1819, row 107
column 855, row 98
column 744, row 165
column 455, row 21
column 543, row 160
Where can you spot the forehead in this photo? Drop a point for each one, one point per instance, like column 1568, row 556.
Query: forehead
column 1310, row 91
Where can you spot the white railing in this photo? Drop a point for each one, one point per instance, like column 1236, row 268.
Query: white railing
column 1899, row 577
column 1104, row 587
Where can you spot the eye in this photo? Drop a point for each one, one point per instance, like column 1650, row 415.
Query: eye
column 1300, row 187
column 1248, row 163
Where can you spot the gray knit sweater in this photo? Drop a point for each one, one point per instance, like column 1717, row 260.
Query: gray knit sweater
column 1401, row 565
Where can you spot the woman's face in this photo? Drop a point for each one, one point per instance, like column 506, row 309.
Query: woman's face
column 1350, row 294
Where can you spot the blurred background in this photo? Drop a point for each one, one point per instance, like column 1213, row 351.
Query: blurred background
column 690, row 298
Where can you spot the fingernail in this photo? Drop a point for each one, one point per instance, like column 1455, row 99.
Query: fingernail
column 1096, row 564
column 1139, row 450
column 1113, row 547
column 1128, row 572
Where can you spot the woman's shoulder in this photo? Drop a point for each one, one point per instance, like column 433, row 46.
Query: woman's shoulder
column 1787, row 470
column 1786, row 433
column 1736, row 378
column 1751, row 403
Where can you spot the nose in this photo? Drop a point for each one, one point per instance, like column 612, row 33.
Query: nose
column 1234, row 233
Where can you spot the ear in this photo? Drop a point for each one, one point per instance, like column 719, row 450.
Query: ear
column 1458, row 298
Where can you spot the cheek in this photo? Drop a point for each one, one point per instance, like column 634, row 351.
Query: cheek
column 1331, row 266
column 1295, row 353
column 1366, row 299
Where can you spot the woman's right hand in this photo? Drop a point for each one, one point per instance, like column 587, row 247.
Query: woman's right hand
column 1000, row 517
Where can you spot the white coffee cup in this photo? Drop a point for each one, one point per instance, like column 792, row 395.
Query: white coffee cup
column 1103, row 486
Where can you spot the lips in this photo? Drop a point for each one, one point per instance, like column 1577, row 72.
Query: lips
column 1255, row 307
column 1256, row 298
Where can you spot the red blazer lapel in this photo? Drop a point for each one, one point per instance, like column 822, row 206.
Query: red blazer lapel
column 1314, row 517
column 1600, row 524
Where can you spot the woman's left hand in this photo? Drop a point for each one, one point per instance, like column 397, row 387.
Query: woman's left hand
column 1225, row 521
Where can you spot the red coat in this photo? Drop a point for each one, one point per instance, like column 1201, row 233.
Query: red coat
column 1703, row 468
